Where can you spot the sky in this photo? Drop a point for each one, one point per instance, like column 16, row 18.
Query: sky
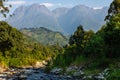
column 52, row 4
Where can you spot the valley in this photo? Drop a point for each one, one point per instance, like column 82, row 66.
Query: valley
column 64, row 43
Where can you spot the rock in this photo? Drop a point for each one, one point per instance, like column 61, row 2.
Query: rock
column 87, row 77
column 106, row 72
column 44, row 62
column 78, row 74
column 71, row 68
column 2, row 69
column 69, row 77
column 56, row 71
column 98, row 77
column 41, row 64
column 22, row 77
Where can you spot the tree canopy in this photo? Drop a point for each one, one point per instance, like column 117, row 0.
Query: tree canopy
column 113, row 9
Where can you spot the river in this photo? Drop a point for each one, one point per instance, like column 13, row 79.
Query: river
column 32, row 74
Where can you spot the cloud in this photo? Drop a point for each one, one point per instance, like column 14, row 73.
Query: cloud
column 55, row 5
column 97, row 8
column 19, row 2
column 48, row 4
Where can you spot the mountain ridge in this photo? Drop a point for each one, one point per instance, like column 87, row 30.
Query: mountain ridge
column 45, row 36
column 62, row 19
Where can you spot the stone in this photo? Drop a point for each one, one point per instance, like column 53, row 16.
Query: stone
column 41, row 64
column 98, row 77
column 22, row 76
column 2, row 69
column 56, row 71
column 79, row 74
column 71, row 68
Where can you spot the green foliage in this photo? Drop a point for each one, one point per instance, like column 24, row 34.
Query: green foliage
column 112, row 36
column 4, row 8
column 114, row 74
column 19, row 50
column 95, row 47
column 114, row 9
column 77, row 37
column 97, row 51
column 74, row 51
column 9, row 37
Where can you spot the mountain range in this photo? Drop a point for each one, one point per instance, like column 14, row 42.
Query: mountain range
column 62, row 19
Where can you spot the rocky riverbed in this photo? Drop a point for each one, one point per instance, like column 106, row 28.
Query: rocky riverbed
column 32, row 74
column 37, row 72
column 54, row 74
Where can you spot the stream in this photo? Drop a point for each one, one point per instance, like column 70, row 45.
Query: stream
column 32, row 74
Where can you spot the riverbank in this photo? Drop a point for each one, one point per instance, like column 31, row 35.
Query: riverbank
column 68, row 73
column 32, row 74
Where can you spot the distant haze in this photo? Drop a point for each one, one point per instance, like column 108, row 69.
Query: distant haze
column 62, row 19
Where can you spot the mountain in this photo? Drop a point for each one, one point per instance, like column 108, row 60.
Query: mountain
column 45, row 36
column 88, row 17
column 34, row 16
column 62, row 19
column 58, row 12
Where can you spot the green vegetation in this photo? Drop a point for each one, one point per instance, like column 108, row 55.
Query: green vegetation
column 100, row 48
column 114, row 74
column 45, row 36
column 18, row 50
column 95, row 51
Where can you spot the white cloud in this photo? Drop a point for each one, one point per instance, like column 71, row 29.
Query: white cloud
column 55, row 5
column 97, row 8
column 19, row 2
column 48, row 4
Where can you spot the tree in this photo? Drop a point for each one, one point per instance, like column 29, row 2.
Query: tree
column 9, row 37
column 4, row 9
column 114, row 9
column 112, row 36
column 76, row 41
column 87, row 37
column 77, row 37
column 95, row 47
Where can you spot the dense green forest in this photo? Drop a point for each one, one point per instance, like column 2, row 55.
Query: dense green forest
column 18, row 50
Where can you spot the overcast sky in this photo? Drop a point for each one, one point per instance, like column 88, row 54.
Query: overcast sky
column 52, row 4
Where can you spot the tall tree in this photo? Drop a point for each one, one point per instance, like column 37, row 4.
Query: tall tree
column 113, row 9
column 112, row 30
column 76, row 40
column 112, row 36
column 77, row 37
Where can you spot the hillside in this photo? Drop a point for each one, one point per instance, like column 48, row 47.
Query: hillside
column 61, row 19
column 45, row 36
column 18, row 50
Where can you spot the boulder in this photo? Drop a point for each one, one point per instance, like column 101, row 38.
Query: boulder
column 56, row 71
column 41, row 64
column 98, row 77
column 71, row 68
column 78, row 74
column 2, row 69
